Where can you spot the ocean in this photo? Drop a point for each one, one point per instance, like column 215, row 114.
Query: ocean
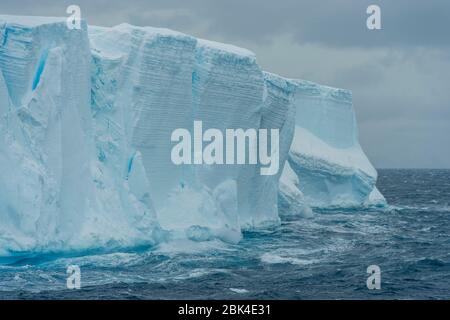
column 322, row 257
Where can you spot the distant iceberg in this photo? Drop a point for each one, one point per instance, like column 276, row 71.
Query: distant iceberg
column 85, row 123
column 326, row 157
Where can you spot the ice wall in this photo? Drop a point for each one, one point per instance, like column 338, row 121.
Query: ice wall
column 54, row 192
column 332, row 169
column 278, row 112
column 148, row 72
column 169, row 80
column 228, row 90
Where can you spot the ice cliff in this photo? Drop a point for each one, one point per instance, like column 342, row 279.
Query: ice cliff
column 57, row 192
column 326, row 163
column 85, row 123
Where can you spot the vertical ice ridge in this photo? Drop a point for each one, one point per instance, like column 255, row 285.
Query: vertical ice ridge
column 278, row 112
column 40, row 69
column 228, row 94
column 57, row 195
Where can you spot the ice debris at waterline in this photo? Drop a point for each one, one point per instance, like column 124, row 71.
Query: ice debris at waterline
column 86, row 118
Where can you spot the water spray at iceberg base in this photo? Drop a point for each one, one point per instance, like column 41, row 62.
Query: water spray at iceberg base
column 86, row 118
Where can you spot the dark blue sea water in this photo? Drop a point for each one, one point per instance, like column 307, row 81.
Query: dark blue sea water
column 323, row 257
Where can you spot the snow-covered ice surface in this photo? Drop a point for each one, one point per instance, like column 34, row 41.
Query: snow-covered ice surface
column 86, row 118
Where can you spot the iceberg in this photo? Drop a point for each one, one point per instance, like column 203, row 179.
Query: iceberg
column 86, row 118
column 56, row 192
column 326, row 157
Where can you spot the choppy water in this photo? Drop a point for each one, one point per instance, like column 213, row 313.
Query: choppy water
column 323, row 257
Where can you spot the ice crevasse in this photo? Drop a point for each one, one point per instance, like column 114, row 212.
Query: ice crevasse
column 86, row 118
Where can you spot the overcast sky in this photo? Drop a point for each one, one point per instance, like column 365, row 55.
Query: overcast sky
column 400, row 75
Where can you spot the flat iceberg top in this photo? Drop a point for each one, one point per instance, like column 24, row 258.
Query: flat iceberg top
column 313, row 89
column 126, row 27
column 217, row 49
column 114, row 42
column 31, row 21
column 149, row 32
column 281, row 82
column 226, row 48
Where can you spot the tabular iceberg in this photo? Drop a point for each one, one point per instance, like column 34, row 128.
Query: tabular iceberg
column 325, row 155
column 86, row 118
